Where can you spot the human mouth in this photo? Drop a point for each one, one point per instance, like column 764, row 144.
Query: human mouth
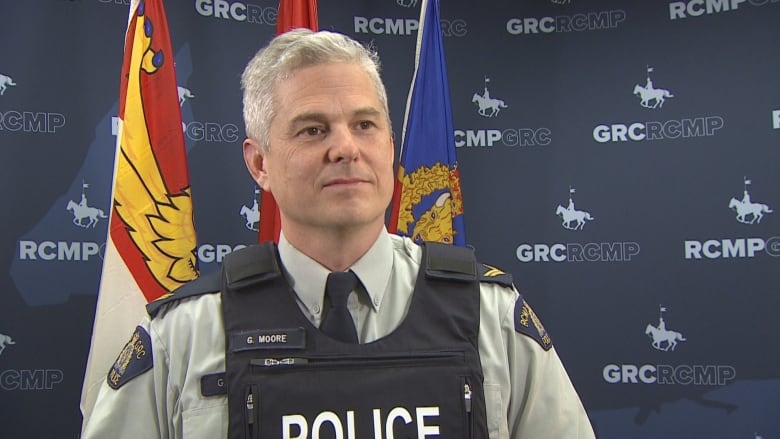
column 344, row 182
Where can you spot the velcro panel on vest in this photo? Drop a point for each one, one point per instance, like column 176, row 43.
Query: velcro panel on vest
column 443, row 261
column 250, row 265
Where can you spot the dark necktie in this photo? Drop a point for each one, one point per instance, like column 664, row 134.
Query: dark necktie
column 338, row 322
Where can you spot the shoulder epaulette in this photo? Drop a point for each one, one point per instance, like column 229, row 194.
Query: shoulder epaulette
column 494, row 275
column 208, row 283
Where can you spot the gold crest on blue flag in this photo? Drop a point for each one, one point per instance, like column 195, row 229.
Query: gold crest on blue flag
column 427, row 203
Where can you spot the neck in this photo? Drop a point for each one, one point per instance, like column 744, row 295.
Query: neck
column 336, row 250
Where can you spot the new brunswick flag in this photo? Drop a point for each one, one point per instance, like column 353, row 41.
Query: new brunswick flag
column 150, row 248
column 427, row 202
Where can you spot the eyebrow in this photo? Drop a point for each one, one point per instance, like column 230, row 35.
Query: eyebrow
column 367, row 111
column 317, row 116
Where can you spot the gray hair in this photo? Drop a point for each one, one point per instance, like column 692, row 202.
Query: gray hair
column 288, row 52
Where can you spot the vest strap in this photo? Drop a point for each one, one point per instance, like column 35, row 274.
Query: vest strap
column 250, row 265
column 443, row 261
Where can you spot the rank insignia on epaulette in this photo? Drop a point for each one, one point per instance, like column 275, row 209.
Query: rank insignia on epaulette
column 135, row 359
column 488, row 273
column 527, row 323
column 491, row 271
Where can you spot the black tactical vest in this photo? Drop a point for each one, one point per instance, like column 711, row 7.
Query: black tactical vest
column 286, row 379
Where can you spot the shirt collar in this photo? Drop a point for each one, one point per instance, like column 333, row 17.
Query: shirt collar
column 307, row 277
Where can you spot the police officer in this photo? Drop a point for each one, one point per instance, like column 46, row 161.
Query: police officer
column 319, row 138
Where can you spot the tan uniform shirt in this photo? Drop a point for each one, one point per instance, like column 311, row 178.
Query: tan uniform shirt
column 527, row 391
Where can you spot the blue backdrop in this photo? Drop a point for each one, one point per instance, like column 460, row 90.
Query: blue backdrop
column 618, row 158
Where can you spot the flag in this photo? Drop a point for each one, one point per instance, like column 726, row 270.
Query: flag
column 427, row 201
column 292, row 14
column 150, row 247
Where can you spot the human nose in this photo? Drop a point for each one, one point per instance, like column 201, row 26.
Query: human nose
column 343, row 145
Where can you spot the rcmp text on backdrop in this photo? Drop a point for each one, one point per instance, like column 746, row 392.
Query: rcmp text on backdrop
column 696, row 8
column 198, row 131
column 683, row 374
column 406, row 26
column 237, row 11
column 578, row 252
column 208, row 253
column 589, row 21
column 656, row 130
column 30, row 379
column 27, row 379
column 59, row 250
column 732, row 248
column 506, row 137
column 64, row 251
column 31, row 121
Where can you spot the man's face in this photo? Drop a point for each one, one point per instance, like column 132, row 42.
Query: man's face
column 330, row 158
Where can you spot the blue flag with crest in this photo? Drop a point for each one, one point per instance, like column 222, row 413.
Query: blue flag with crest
column 427, row 202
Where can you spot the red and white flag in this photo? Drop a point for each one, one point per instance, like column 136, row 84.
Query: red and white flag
column 151, row 243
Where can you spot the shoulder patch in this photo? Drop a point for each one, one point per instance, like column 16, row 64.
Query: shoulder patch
column 135, row 359
column 490, row 274
column 527, row 323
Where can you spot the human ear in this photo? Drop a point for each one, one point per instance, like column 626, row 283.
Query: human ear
column 255, row 160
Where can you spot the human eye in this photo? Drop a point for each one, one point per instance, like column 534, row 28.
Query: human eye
column 311, row 131
column 366, row 124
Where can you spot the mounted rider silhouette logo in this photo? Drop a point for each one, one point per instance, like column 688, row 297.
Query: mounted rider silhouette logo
column 651, row 97
column 663, row 339
column 83, row 212
column 748, row 212
column 487, row 106
column 573, row 219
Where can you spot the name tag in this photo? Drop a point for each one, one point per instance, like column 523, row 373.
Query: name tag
column 292, row 338
column 213, row 384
